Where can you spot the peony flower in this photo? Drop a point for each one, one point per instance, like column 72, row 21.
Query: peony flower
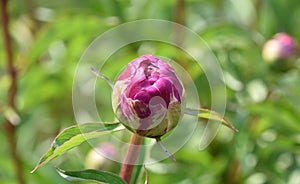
column 147, row 97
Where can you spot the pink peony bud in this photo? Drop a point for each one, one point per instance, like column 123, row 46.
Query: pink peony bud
column 147, row 97
column 280, row 47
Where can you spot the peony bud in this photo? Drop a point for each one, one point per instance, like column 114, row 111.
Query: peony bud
column 147, row 97
column 280, row 47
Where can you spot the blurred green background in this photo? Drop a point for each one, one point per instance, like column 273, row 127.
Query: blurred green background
column 48, row 38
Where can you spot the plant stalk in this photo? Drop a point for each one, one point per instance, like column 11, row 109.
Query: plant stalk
column 9, row 128
column 179, row 17
column 131, row 156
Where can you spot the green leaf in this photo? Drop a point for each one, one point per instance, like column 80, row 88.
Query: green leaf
column 211, row 115
column 91, row 175
column 147, row 176
column 74, row 136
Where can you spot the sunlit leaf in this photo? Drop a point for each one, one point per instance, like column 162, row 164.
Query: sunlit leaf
column 211, row 115
column 91, row 175
column 74, row 136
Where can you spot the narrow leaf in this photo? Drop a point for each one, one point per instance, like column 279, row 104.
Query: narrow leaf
column 103, row 77
column 147, row 176
column 210, row 114
column 165, row 150
column 74, row 136
column 91, row 175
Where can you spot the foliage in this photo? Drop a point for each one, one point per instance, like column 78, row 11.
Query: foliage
column 49, row 37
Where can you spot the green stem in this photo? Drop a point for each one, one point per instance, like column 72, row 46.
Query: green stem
column 131, row 156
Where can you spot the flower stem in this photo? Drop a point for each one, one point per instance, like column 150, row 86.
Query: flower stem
column 131, row 156
column 9, row 127
column 179, row 17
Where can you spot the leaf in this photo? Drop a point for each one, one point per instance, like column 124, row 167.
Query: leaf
column 165, row 149
column 103, row 77
column 74, row 136
column 147, row 176
column 91, row 175
column 211, row 115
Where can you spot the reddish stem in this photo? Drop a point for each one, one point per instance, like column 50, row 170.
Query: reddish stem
column 131, row 156
column 179, row 17
column 179, row 12
column 10, row 129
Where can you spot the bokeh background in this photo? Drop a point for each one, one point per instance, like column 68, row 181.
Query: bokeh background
column 263, row 102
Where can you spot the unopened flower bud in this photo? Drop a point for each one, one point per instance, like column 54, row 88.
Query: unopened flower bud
column 280, row 47
column 147, row 97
